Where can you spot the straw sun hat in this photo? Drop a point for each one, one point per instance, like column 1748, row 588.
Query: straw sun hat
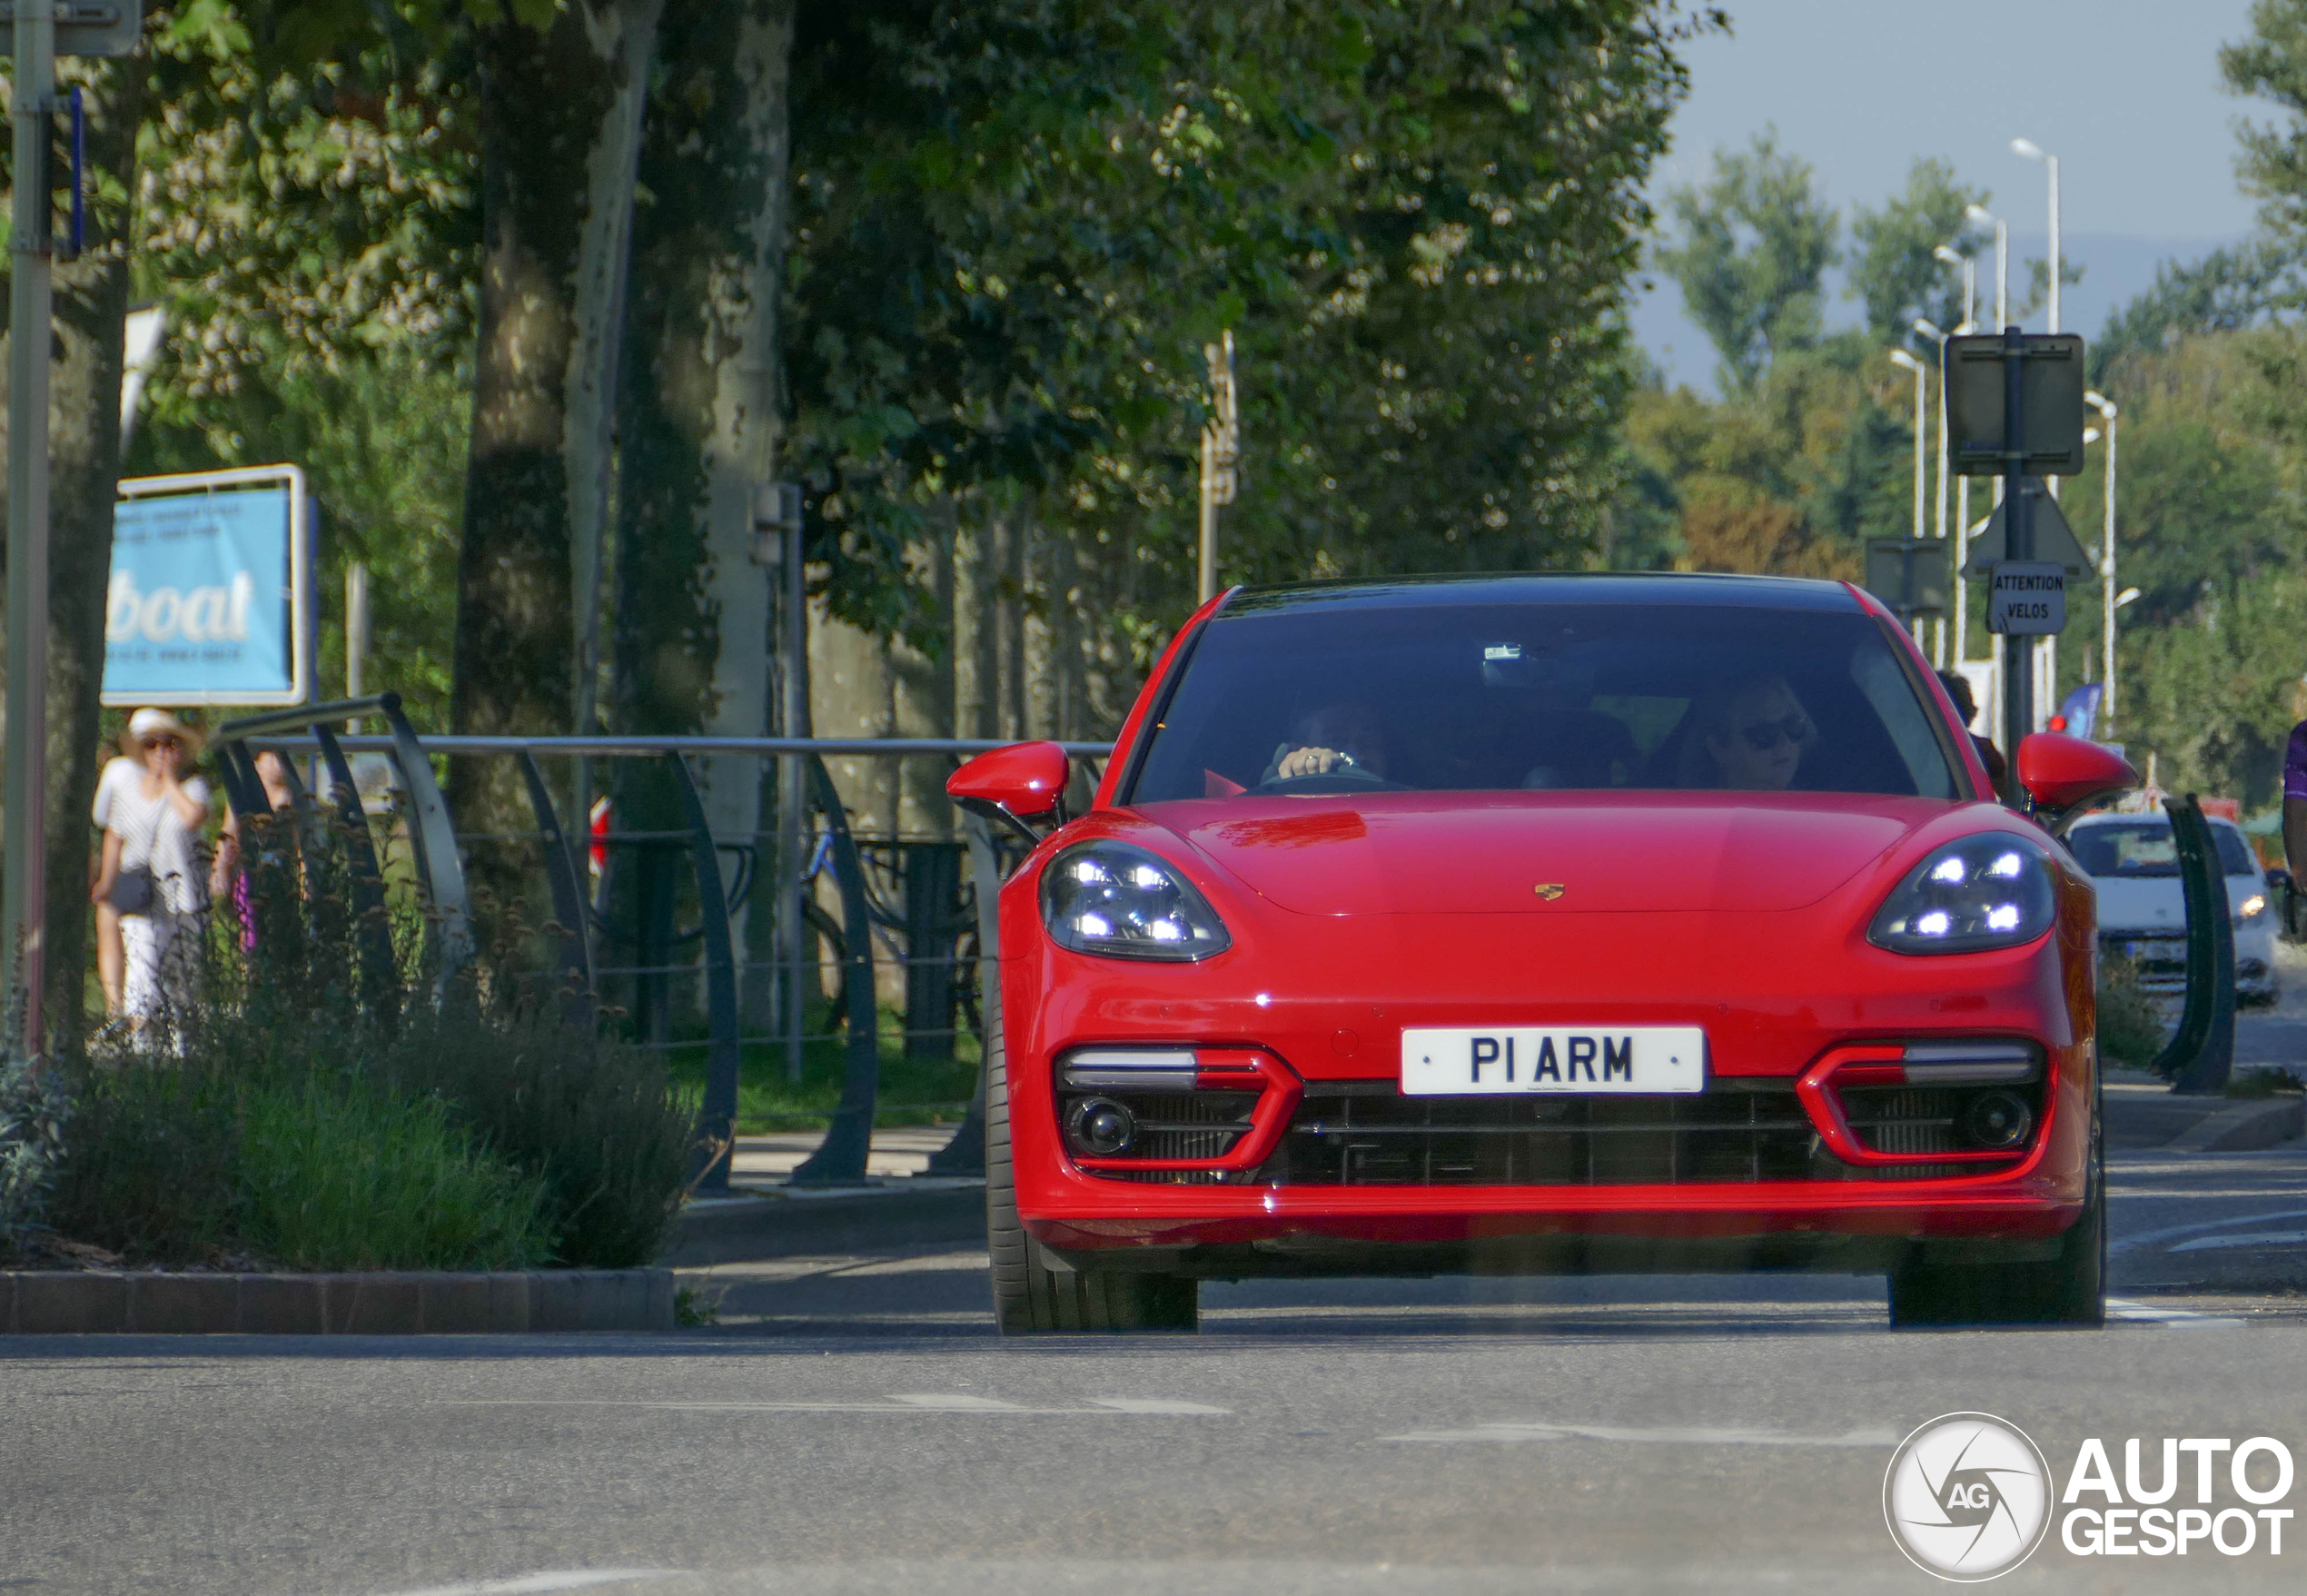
column 150, row 723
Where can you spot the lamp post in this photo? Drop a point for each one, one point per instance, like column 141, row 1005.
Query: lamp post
column 2035, row 152
column 1930, row 330
column 1899, row 357
column 1984, row 217
column 2108, row 596
column 1220, row 458
column 1969, row 263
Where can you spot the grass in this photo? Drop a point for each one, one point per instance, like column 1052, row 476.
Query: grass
column 912, row 1091
column 347, row 1176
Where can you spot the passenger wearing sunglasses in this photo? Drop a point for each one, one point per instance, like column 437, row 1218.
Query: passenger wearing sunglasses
column 1750, row 738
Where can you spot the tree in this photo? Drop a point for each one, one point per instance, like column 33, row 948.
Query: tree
column 1894, row 270
column 2271, row 64
column 91, row 303
column 1755, row 241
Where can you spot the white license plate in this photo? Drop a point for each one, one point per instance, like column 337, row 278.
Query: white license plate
column 1455, row 1062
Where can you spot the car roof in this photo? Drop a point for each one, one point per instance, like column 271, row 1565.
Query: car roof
column 1704, row 590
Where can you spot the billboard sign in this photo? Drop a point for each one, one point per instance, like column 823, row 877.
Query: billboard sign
column 210, row 597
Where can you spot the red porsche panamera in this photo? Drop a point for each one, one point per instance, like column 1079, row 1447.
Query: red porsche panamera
column 1544, row 924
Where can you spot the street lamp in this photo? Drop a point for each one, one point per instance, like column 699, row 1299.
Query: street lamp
column 1931, row 331
column 1901, row 358
column 2035, row 152
column 2113, row 601
column 1983, row 217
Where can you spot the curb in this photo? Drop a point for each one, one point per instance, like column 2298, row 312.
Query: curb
column 2246, row 1128
column 790, row 1222
column 107, row 1302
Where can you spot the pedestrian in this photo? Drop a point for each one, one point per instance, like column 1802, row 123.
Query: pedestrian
column 151, row 871
column 230, row 877
column 124, row 769
column 1958, row 687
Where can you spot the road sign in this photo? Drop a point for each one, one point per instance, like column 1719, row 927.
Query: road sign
column 2054, row 538
column 90, row 27
column 2027, row 598
column 211, row 590
column 2050, row 401
column 1910, row 575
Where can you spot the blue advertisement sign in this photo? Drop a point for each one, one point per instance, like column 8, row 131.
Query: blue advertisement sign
column 205, row 605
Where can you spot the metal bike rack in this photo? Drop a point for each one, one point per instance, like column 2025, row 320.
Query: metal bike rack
column 2200, row 1053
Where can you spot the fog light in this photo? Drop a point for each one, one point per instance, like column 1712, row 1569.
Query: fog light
column 1995, row 1120
column 1100, row 1127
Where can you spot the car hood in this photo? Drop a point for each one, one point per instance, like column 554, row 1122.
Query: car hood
column 1552, row 853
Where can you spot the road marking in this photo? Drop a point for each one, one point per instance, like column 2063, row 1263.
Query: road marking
column 1679, row 1436
column 1156, row 1404
column 2172, row 1233
column 2258, row 1238
column 539, row 1584
column 923, row 1402
column 2169, row 1318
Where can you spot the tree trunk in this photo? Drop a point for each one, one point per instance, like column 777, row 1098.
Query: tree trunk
column 700, row 408
column 84, row 462
column 554, row 213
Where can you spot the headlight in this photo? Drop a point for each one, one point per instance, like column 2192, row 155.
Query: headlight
column 1987, row 891
column 1121, row 902
column 2253, row 906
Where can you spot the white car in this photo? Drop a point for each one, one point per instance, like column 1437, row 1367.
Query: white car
column 2142, row 912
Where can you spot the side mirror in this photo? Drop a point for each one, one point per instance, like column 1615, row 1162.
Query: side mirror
column 2062, row 776
column 1024, row 781
column 2278, row 878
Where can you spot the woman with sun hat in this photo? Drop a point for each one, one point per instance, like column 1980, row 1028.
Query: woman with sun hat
column 151, row 871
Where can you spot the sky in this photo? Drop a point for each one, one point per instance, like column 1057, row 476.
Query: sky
column 2126, row 92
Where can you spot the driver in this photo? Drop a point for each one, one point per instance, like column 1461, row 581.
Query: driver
column 1749, row 738
column 1343, row 735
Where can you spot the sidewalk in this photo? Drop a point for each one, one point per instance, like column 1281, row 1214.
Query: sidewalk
column 763, row 1162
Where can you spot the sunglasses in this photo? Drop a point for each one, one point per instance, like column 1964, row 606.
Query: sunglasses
column 1765, row 735
column 163, row 742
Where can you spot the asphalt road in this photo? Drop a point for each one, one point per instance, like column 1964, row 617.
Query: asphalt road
column 852, row 1425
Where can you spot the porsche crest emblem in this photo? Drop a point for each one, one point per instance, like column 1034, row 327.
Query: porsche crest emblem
column 1550, row 890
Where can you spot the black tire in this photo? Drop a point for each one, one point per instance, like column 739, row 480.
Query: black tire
column 2070, row 1289
column 1029, row 1297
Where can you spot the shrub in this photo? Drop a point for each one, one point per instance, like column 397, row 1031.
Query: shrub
column 344, row 1176
column 34, row 1109
column 596, row 1120
column 2130, row 1030
column 151, row 1160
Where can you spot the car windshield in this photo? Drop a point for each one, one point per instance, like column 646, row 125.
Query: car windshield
column 2130, row 849
column 1452, row 697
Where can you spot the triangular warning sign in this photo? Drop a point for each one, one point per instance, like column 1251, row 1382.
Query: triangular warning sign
column 2054, row 538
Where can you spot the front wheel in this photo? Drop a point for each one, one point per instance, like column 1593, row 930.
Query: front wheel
column 1030, row 1298
column 2068, row 1289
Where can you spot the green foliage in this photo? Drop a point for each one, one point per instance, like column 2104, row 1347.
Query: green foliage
column 2271, row 64
column 2130, row 1031
column 151, row 1167
column 339, row 1174
column 34, row 1114
column 1756, row 239
column 595, row 1120
column 305, row 218
column 1893, row 267
column 1016, row 226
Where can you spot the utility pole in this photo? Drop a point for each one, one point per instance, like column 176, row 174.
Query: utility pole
column 2105, row 726
column 1221, row 455
column 24, row 846
column 97, row 27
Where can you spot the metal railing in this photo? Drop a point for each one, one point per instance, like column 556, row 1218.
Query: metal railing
column 942, row 939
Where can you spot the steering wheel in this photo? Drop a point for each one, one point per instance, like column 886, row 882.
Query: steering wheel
column 1337, row 778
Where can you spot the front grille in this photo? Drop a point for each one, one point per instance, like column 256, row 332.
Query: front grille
column 1921, row 1120
column 1367, row 1133
column 1175, row 1124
